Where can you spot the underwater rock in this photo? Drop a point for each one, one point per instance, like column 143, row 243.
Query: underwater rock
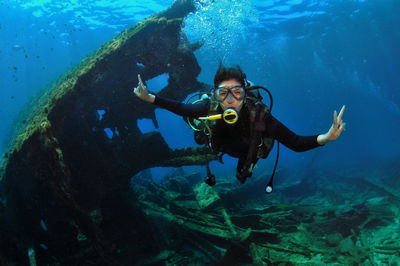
column 334, row 239
column 206, row 196
column 181, row 186
column 386, row 206
column 180, row 182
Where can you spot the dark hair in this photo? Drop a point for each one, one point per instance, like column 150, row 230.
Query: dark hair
column 225, row 73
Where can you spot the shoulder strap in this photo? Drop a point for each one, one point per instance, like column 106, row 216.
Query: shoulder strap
column 257, row 127
column 257, row 111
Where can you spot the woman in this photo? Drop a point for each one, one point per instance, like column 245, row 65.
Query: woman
column 236, row 139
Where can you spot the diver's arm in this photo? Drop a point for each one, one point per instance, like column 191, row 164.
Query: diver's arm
column 278, row 131
column 191, row 110
column 183, row 109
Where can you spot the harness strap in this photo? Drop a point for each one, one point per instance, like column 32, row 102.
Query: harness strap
column 256, row 129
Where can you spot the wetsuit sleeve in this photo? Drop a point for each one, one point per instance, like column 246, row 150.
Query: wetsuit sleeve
column 183, row 109
column 278, row 131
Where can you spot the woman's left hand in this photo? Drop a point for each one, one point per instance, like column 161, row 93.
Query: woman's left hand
column 336, row 129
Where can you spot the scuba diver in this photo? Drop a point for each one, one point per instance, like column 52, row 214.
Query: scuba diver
column 235, row 121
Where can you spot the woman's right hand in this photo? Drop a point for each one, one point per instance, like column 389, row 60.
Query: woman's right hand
column 142, row 92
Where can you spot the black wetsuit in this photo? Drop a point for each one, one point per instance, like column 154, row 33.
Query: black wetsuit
column 237, row 135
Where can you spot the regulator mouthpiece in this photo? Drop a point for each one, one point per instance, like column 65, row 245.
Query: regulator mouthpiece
column 230, row 116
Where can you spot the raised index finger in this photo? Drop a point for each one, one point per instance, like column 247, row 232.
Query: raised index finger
column 140, row 80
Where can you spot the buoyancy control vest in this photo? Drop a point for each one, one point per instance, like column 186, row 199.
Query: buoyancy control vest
column 247, row 143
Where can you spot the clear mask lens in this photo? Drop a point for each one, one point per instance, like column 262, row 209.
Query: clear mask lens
column 237, row 92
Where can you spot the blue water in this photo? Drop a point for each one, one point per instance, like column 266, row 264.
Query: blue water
column 314, row 56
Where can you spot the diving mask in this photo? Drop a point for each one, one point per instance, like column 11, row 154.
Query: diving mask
column 221, row 93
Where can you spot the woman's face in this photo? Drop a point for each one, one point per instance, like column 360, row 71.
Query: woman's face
column 231, row 94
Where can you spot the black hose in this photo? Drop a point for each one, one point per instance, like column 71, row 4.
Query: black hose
column 270, row 186
column 269, row 94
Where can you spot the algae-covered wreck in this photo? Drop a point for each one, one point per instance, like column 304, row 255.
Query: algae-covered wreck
column 63, row 171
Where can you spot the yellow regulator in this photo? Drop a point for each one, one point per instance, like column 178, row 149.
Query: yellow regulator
column 230, row 116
